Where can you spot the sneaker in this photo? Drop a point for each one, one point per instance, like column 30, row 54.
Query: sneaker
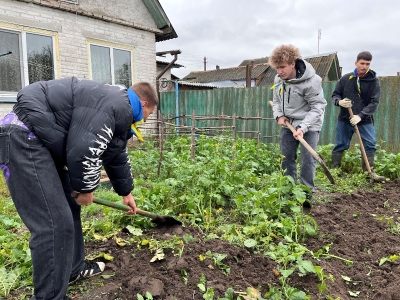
column 90, row 269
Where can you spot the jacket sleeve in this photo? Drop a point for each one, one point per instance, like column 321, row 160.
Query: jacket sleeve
column 118, row 167
column 337, row 94
column 314, row 96
column 88, row 138
column 373, row 102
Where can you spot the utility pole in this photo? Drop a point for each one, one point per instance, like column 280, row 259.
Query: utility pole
column 319, row 37
column 205, row 63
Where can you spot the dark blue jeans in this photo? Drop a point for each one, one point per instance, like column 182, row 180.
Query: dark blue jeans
column 345, row 131
column 41, row 193
column 289, row 147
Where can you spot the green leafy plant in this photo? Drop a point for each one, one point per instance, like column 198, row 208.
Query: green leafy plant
column 248, row 202
column 390, row 258
column 147, row 296
column 217, row 258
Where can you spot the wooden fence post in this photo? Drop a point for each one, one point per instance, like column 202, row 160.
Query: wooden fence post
column 233, row 140
column 193, row 145
column 258, row 127
column 161, row 132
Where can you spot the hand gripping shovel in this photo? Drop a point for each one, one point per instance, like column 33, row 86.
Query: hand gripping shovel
column 157, row 219
column 317, row 157
column 373, row 175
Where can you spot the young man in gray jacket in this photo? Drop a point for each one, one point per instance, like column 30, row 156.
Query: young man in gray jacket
column 298, row 99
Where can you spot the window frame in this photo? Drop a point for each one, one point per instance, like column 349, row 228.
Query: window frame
column 22, row 31
column 111, row 46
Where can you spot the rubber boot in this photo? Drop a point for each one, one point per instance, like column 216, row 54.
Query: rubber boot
column 336, row 159
column 371, row 158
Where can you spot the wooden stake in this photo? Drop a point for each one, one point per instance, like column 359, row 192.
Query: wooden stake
column 193, row 145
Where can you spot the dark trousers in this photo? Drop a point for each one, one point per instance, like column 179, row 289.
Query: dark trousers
column 289, row 147
column 345, row 131
column 41, row 194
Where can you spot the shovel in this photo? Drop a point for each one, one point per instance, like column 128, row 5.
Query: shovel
column 156, row 219
column 317, row 157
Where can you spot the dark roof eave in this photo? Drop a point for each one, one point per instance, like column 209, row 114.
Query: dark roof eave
column 167, row 34
column 161, row 20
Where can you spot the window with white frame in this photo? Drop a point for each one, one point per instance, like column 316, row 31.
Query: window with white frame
column 31, row 59
column 111, row 65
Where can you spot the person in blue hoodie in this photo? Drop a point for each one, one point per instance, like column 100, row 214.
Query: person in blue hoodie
column 55, row 141
column 359, row 90
column 297, row 98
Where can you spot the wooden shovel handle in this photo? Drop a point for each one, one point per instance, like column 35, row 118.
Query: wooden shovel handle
column 314, row 154
column 364, row 154
column 123, row 207
column 301, row 140
column 115, row 205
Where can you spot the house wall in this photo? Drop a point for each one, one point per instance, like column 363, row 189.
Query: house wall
column 5, row 108
column 128, row 10
column 73, row 30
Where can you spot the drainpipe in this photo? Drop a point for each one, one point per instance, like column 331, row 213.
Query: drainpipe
column 172, row 52
column 176, row 105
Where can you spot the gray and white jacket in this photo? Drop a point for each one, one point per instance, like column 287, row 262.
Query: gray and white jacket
column 301, row 99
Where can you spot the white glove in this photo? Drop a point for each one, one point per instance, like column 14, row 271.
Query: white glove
column 354, row 120
column 346, row 103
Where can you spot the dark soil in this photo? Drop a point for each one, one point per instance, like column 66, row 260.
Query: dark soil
column 350, row 222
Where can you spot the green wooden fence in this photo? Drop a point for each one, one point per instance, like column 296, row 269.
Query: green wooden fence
column 251, row 102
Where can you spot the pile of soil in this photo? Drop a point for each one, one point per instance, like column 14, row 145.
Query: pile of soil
column 355, row 225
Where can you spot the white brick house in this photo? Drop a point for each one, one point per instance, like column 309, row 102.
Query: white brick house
column 103, row 40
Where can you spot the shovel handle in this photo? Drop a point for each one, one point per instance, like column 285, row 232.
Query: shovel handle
column 364, row 154
column 123, row 207
column 314, row 154
column 119, row 206
column 301, row 140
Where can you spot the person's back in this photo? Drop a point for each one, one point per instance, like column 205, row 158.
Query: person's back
column 60, row 111
column 57, row 139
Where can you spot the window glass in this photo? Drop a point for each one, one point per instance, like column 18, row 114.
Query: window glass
column 10, row 68
column 40, row 57
column 122, row 67
column 101, row 64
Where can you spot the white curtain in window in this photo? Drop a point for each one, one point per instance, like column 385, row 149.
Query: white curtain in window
column 101, row 64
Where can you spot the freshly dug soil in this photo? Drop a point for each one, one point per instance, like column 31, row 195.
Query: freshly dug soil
column 355, row 225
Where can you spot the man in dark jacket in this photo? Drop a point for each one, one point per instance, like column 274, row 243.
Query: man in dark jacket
column 57, row 139
column 360, row 90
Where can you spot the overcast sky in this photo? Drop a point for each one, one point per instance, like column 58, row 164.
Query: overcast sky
column 228, row 31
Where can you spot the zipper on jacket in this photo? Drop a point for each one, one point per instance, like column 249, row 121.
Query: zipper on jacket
column 288, row 100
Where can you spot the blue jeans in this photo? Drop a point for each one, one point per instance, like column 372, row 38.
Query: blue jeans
column 345, row 131
column 289, row 147
column 41, row 192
